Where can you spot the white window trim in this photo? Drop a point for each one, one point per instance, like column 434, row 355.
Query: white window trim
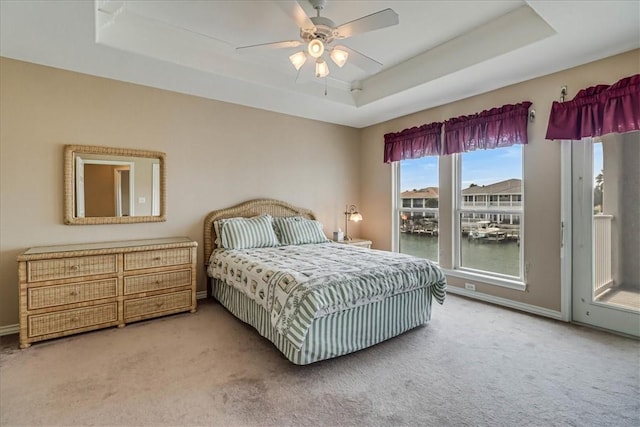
column 486, row 278
column 483, row 276
column 566, row 251
column 395, row 201
column 397, row 208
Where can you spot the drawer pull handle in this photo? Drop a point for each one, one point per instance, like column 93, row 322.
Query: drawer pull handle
column 157, row 258
column 157, row 282
column 73, row 293
column 159, row 304
column 75, row 319
column 74, row 268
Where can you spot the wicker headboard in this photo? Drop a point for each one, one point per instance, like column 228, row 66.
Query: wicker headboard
column 248, row 209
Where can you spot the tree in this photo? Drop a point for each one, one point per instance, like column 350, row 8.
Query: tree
column 600, row 180
column 598, row 192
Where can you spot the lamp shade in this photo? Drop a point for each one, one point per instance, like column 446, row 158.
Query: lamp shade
column 355, row 217
column 315, row 48
column 298, row 59
column 322, row 69
column 350, row 214
column 339, row 56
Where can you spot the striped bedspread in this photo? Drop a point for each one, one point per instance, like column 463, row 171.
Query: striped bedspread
column 296, row 284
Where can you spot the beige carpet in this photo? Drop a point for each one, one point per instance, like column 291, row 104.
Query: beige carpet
column 474, row 365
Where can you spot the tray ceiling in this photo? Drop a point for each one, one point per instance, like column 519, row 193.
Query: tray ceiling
column 440, row 51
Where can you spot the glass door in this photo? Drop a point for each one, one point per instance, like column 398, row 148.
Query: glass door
column 606, row 232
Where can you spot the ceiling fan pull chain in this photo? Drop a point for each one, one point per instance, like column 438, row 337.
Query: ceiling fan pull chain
column 325, row 86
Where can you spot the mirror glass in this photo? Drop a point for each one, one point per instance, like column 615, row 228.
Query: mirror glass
column 106, row 185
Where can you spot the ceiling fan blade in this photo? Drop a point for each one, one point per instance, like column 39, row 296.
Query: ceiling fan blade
column 375, row 21
column 361, row 60
column 297, row 13
column 274, row 45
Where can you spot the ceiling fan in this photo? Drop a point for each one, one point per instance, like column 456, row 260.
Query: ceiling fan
column 318, row 34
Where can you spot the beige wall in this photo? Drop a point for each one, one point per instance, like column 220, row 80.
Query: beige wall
column 218, row 154
column 629, row 205
column 541, row 175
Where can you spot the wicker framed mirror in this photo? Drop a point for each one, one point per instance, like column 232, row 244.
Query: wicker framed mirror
column 106, row 185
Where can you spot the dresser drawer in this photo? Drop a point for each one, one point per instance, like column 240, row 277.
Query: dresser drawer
column 159, row 258
column 66, row 320
column 154, row 282
column 69, row 289
column 64, row 268
column 49, row 296
column 143, row 306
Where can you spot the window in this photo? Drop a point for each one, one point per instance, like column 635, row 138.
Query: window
column 418, row 218
column 488, row 228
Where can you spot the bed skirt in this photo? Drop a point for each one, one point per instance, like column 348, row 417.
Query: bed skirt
column 338, row 333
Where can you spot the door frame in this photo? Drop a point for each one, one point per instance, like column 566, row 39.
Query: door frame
column 615, row 316
column 566, row 232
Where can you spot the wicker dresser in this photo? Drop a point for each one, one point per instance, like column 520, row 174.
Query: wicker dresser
column 76, row 288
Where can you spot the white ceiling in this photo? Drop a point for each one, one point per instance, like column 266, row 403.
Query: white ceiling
column 441, row 51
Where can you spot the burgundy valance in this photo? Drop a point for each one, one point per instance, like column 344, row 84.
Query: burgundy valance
column 413, row 143
column 498, row 127
column 597, row 110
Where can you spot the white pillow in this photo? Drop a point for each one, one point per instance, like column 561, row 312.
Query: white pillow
column 296, row 230
column 245, row 233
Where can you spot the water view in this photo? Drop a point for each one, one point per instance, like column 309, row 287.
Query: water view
column 499, row 257
column 488, row 209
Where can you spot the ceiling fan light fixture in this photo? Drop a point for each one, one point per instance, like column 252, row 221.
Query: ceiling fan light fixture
column 339, row 56
column 315, row 48
column 298, row 59
column 322, row 69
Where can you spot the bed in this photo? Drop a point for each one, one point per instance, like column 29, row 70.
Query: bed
column 271, row 266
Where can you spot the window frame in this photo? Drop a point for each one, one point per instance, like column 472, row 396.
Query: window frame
column 489, row 277
column 397, row 208
column 477, row 276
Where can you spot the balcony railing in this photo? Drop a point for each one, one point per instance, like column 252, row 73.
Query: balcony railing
column 602, row 277
column 506, row 205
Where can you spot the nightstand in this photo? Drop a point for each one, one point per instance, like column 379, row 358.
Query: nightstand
column 363, row 243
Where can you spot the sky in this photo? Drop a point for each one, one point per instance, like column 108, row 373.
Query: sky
column 479, row 167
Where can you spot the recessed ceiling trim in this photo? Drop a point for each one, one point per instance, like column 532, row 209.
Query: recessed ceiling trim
column 138, row 34
column 500, row 36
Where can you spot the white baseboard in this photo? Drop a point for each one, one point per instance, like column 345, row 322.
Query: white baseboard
column 14, row 329
column 533, row 309
column 9, row 329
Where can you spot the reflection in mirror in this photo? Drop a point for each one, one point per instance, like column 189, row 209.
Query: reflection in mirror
column 113, row 185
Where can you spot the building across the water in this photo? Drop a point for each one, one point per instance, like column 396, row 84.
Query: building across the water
column 504, row 195
column 423, row 198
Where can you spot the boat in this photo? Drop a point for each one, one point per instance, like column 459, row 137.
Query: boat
column 487, row 230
